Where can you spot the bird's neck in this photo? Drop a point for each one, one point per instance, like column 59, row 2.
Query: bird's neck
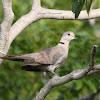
column 64, row 44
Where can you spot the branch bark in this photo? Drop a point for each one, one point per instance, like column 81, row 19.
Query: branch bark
column 41, row 13
column 61, row 14
column 5, row 26
column 75, row 75
column 36, row 3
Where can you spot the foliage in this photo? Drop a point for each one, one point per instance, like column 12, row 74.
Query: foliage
column 88, row 5
column 78, row 5
column 16, row 84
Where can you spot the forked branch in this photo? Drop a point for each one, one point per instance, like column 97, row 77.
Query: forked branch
column 37, row 12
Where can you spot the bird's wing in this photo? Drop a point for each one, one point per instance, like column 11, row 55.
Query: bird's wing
column 45, row 57
column 41, row 60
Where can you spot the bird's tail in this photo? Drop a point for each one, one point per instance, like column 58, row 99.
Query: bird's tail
column 13, row 58
column 30, row 68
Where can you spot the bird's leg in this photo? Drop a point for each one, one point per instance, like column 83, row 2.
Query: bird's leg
column 55, row 73
column 45, row 74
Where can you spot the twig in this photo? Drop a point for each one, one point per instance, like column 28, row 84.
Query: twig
column 93, row 52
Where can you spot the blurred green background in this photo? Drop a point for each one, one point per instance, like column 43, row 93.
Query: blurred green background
column 16, row 84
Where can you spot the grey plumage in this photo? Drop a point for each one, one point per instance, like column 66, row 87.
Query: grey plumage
column 42, row 59
column 46, row 60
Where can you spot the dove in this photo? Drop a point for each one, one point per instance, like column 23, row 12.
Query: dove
column 47, row 60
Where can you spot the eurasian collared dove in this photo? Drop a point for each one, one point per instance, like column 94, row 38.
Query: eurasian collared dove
column 47, row 60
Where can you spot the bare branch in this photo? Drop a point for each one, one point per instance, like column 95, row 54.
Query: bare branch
column 5, row 25
column 75, row 75
column 93, row 52
column 25, row 20
column 61, row 14
column 8, row 13
column 95, row 69
column 41, row 13
column 36, row 3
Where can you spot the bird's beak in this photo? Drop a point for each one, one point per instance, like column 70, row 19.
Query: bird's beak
column 75, row 38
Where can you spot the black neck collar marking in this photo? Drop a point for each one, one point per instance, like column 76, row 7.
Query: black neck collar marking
column 62, row 42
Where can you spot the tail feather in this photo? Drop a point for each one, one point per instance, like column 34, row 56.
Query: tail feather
column 30, row 68
column 13, row 58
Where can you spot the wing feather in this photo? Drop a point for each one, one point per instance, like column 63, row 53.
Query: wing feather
column 45, row 57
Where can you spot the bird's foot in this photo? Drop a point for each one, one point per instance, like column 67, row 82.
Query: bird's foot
column 45, row 74
column 55, row 74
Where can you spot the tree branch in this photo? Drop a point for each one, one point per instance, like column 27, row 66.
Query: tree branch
column 93, row 52
column 25, row 20
column 61, row 14
column 8, row 13
column 75, row 75
column 36, row 3
column 5, row 25
column 38, row 12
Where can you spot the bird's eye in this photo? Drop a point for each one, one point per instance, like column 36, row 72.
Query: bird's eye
column 68, row 34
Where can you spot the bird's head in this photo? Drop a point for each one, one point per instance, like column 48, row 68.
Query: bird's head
column 68, row 36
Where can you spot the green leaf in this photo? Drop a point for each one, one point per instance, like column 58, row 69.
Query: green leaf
column 77, row 7
column 74, row 5
column 88, row 5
